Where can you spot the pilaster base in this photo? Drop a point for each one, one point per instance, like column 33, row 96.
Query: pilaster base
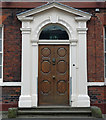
column 34, row 100
column 83, row 101
column 25, row 101
column 73, row 101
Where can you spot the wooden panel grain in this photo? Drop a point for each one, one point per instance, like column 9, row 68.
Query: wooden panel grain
column 53, row 76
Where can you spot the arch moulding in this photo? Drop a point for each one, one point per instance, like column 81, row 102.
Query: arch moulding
column 63, row 23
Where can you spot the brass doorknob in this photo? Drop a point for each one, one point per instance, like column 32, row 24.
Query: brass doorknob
column 53, row 77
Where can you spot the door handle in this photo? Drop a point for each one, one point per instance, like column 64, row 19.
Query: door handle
column 53, row 77
column 53, row 60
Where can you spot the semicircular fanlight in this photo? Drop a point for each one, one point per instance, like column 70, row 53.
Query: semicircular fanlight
column 53, row 32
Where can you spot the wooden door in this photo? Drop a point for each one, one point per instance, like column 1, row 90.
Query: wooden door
column 53, row 75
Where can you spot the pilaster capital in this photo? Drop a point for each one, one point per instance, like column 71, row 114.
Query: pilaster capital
column 73, row 42
column 34, row 42
column 82, row 30
column 25, row 30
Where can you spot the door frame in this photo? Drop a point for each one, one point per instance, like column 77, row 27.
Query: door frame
column 57, row 42
column 72, row 47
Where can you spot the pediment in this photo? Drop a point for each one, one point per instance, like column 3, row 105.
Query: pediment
column 32, row 12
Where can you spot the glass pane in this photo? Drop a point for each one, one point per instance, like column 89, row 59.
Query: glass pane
column 105, row 31
column 0, row 59
column 54, row 32
column 0, row 45
column 0, row 71
column 0, row 32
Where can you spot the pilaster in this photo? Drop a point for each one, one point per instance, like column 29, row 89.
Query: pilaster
column 73, row 71
column 83, row 99
column 34, row 81
column 25, row 99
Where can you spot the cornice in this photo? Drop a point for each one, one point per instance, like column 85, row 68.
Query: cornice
column 25, row 18
column 82, row 18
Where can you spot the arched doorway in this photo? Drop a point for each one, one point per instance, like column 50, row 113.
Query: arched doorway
column 53, row 73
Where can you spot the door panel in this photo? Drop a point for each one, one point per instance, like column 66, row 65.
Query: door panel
column 53, row 75
column 62, row 74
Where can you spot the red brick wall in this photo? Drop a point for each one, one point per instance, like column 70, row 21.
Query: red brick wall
column 35, row 4
column 98, row 97
column 10, row 97
column 95, row 55
column 10, row 94
column 95, row 49
column 12, row 46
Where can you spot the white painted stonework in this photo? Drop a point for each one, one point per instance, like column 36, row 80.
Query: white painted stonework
column 74, row 22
